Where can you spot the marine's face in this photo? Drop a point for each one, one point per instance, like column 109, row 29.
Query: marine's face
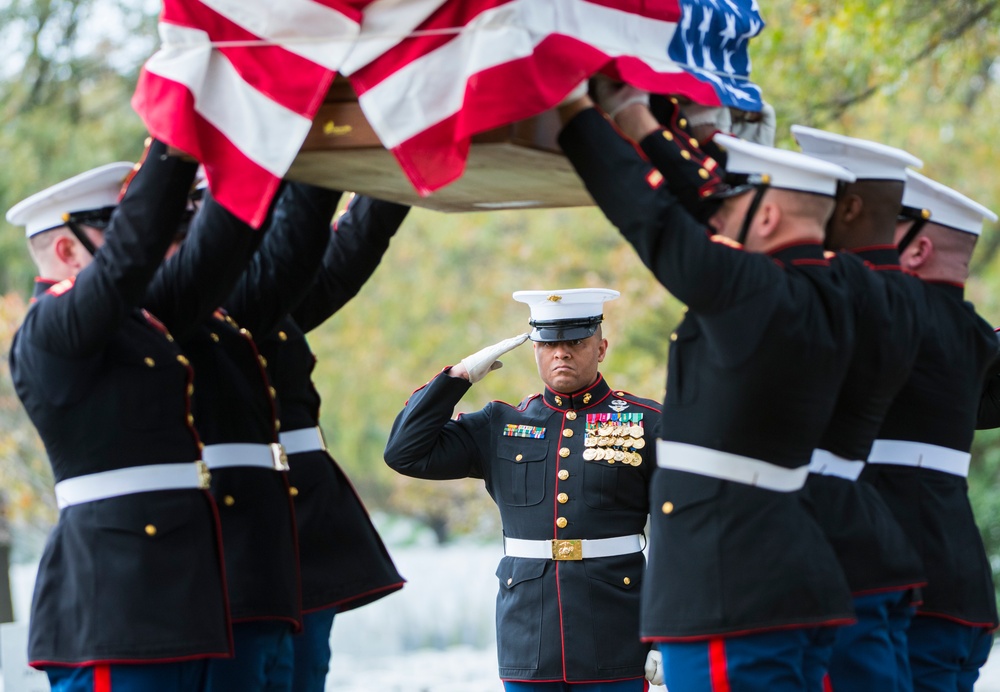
column 569, row 366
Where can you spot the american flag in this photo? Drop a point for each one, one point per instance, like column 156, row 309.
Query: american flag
column 237, row 82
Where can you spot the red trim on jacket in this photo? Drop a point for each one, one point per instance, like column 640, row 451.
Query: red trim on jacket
column 351, row 599
column 837, row 622
column 41, row 665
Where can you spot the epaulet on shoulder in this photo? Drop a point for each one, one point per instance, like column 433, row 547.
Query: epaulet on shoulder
column 728, row 242
column 61, row 287
column 520, row 407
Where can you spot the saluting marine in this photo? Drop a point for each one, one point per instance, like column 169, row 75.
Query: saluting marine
column 569, row 470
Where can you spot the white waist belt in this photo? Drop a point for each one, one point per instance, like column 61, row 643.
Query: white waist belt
column 303, row 440
column 921, row 455
column 680, row 456
column 134, row 479
column 231, row 455
column 826, row 463
column 572, row 549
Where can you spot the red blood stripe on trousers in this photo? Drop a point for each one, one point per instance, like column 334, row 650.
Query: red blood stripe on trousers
column 717, row 673
column 102, row 678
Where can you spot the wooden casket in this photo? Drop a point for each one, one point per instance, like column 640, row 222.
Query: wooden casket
column 519, row 166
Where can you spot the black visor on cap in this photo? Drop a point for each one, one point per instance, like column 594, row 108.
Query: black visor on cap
column 735, row 184
column 564, row 330
column 95, row 218
column 911, row 214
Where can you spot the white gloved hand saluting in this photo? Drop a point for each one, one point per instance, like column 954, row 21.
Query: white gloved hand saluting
column 480, row 363
column 654, row 667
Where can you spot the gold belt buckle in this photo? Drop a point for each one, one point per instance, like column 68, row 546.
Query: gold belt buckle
column 567, row 549
column 204, row 475
column 279, row 457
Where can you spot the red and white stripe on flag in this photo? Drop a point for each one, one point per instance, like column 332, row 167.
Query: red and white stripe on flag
column 478, row 64
column 236, row 83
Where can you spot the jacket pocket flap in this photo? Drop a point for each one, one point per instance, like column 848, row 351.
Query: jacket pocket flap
column 623, row 571
column 522, row 449
column 515, row 570
column 686, row 490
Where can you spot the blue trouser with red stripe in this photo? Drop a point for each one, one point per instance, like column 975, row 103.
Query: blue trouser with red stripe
column 312, row 651
column 872, row 654
column 945, row 656
column 635, row 685
column 188, row 676
column 793, row 660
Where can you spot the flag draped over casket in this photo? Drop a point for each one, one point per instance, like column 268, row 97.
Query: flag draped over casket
column 237, row 82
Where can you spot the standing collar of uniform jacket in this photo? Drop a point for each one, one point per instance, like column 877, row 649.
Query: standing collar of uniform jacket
column 42, row 285
column 954, row 290
column 879, row 257
column 798, row 253
column 585, row 398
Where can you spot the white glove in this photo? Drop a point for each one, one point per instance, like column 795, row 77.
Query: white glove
column 579, row 91
column 483, row 361
column 758, row 131
column 715, row 116
column 613, row 97
column 654, row 667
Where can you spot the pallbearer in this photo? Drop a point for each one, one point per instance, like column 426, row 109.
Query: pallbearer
column 342, row 561
column 569, row 470
column 129, row 594
column 882, row 567
column 920, row 460
column 743, row 588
